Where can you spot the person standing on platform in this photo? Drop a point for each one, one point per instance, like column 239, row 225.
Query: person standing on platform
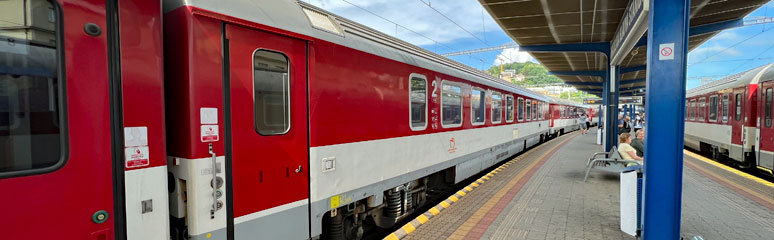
column 639, row 142
column 625, row 126
column 583, row 123
column 638, row 123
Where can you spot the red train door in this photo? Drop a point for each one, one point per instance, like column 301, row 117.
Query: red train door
column 269, row 134
column 738, row 119
column 766, row 126
column 56, row 173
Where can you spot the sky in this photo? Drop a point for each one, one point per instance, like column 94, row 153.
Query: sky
column 444, row 26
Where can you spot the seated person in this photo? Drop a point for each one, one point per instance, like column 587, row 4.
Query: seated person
column 626, row 151
column 638, row 143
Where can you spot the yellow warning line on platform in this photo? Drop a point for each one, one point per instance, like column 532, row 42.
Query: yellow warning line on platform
column 422, row 219
column 729, row 169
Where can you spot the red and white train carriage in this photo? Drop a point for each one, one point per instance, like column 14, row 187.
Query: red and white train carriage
column 731, row 118
column 565, row 116
column 253, row 119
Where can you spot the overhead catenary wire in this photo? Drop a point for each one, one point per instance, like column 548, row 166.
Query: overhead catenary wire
column 401, row 26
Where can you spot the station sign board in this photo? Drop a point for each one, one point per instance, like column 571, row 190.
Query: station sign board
column 621, row 100
column 633, row 24
column 592, row 101
column 630, row 100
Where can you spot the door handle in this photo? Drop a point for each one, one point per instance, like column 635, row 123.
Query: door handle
column 299, row 169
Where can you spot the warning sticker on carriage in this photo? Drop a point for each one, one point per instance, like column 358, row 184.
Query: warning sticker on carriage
column 137, row 157
column 210, row 133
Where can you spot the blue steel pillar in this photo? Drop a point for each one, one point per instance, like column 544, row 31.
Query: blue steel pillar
column 665, row 107
column 611, row 120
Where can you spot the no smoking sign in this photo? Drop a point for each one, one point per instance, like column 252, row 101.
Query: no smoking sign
column 666, row 51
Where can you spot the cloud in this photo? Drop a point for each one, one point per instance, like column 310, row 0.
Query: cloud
column 511, row 55
column 423, row 26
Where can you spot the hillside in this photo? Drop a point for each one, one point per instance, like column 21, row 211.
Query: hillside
column 534, row 74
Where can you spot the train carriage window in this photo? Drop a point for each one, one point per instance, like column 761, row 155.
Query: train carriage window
column 693, row 109
column 769, row 105
column 738, row 107
column 725, row 107
column 713, row 108
column 451, row 105
column 497, row 107
column 418, row 102
column 529, row 109
column 534, row 110
column 702, row 109
column 271, row 86
column 477, row 106
column 687, row 112
column 521, row 109
column 509, row 108
column 540, row 111
column 31, row 138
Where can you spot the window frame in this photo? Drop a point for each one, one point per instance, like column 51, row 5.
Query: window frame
column 492, row 93
column 534, row 110
column 528, row 109
column 768, row 104
column 62, row 103
column 709, row 113
column 738, row 104
column 512, row 108
column 520, row 115
column 693, row 109
column 427, row 105
column 726, row 107
column 462, row 107
column 289, row 101
column 702, row 104
column 483, row 107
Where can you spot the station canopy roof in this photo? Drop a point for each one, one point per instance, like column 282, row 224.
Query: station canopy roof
column 542, row 22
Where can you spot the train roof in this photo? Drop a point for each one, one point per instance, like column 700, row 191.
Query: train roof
column 306, row 19
column 752, row 76
column 555, row 100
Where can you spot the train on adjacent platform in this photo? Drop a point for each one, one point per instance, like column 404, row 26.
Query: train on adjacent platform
column 732, row 119
column 252, row 119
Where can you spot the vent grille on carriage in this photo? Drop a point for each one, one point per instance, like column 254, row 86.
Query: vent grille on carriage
column 322, row 21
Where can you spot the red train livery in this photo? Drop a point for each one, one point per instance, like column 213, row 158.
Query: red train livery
column 252, row 119
column 731, row 118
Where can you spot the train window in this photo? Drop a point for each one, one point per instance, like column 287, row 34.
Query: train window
column 451, row 105
column 702, row 110
column 769, row 100
column 529, row 109
column 686, row 109
column 534, row 110
column 520, row 111
column 271, row 86
column 713, row 108
column 725, row 107
column 497, row 107
column 693, row 109
column 509, row 108
column 738, row 107
column 418, row 102
column 31, row 138
column 477, row 106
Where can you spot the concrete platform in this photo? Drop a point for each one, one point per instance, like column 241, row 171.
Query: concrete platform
column 541, row 195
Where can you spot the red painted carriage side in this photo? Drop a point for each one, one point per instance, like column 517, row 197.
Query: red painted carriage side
column 63, row 201
column 142, row 73
column 193, row 79
column 356, row 96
